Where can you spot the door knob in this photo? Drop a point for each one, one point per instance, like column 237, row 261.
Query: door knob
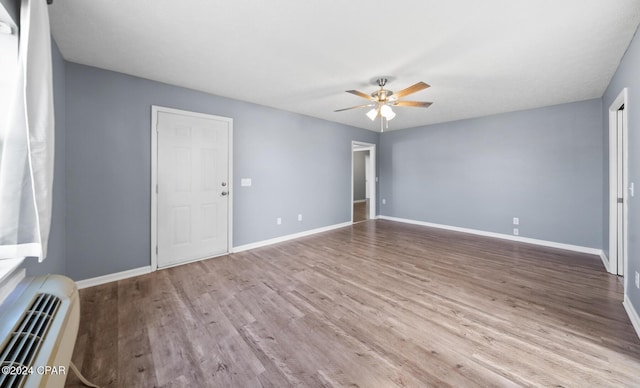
column 224, row 184
column 224, row 193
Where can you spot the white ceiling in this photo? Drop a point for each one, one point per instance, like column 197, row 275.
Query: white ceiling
column 480, row 57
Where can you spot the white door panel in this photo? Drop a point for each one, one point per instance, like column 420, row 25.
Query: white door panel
column 193, row 205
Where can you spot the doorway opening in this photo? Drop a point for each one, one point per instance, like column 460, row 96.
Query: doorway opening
column 618, row 184
column 363, row 181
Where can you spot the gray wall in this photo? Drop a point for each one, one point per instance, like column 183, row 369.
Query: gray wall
column 298, row 164
column 542, row 165
column 359, row 178
column 56, row 255
column 626, row 76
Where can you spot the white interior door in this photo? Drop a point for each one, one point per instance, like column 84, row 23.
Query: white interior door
column 193, row 187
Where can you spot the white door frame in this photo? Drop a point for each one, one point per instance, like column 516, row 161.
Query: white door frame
column 611, row 261
column 154, row 178
column 367, row 175
column 362, row 146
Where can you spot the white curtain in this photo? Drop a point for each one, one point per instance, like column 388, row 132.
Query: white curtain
column 27, row 142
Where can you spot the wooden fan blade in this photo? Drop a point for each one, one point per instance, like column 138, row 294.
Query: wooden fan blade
column 360, row 94
column 411, row 89
column 419, row 104
column 353, row 107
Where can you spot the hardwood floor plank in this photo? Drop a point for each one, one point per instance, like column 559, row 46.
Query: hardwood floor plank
column 133, row 334
column 375, row 304
column 99, row 333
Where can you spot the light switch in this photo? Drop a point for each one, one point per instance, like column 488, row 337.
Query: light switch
column 245, row 182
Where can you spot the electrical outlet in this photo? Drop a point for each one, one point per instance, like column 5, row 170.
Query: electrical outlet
column 637, row 279
column 516, row 232
column 516, row 221
column 384, row 201
column 278, row 220
column 299, row 217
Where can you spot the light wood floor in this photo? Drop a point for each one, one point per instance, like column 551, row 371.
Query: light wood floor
column 377, row 304
column 360, row 211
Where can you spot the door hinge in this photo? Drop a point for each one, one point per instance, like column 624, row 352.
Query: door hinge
column 156, row 249
column 619, row 200
column 156, row 189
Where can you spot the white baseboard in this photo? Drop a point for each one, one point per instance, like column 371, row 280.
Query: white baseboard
column 288, row 237
column 113, row 277
column 359, row 200
column 633, row 314
column 605, row 261
column 551, row 244
column 145, row 270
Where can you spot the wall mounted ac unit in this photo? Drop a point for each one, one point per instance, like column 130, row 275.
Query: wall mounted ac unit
column 38, row 327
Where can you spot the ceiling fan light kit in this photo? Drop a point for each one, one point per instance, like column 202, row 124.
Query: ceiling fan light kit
column 387, row 112
column 382, row 100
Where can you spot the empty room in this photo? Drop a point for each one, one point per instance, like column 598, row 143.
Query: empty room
column 319, row 194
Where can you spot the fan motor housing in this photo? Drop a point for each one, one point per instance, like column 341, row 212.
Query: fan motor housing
column 382, row 94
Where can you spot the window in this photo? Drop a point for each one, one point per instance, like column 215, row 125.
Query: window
column 26, row 133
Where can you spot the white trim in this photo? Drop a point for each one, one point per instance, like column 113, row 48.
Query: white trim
column 357, row 146
column 8, row 266
column 9, row 283
column 231, row 190
column 352, row 177
column 112, row 277
column 359, row 200
column 155, row 109
column 288, row 237
column 189, row 261
column 613, row 190
column 15, row 251
column 633, row 314
column 551, row 244
column 605, row 261
column 154, row 185
column 145, row 270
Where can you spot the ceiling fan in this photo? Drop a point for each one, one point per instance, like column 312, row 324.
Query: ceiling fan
column 382, row 100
